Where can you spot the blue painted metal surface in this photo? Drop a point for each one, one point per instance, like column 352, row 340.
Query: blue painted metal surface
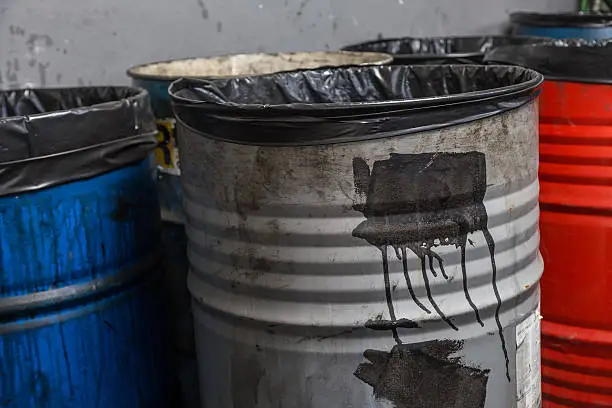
column 589, row 26
column 80, row 313
column 588, row 33
column 158, row 91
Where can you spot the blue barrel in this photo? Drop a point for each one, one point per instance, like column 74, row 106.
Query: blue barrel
column 81, row 323
column 593, row 26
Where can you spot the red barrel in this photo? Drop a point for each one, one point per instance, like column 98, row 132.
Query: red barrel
column 576, row 243
column 575, row 221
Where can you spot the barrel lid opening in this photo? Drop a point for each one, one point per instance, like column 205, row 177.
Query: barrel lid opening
column 436, row 95
column 579, row 19
column 571, row 60
column 56, row 135
column 417, row 48
column 252, row 64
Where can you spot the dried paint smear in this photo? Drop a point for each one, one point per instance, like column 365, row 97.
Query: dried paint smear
column 424, row 376
column 419, row 202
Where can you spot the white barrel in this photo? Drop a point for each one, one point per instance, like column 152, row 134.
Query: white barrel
column 392, row 271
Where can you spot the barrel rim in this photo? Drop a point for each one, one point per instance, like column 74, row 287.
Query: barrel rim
column 134, row 94
column 576, row 20
column 532, row 83
column 52, row 136
column 331, row 123
column 378, row 58
column 430, row 56
column 576, row 80
column 561, row 60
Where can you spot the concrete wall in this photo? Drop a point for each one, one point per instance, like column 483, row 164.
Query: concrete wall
column 69, row 42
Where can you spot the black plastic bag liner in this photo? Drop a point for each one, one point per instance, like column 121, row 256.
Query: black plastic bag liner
column 561, row 60
column 348, row 104
column 54, row 136
column 440, row 50
column 580, row 20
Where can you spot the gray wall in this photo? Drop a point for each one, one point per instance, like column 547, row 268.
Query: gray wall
column 69, row 42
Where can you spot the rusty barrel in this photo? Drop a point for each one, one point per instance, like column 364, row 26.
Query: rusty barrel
column 364, row 236
column 576, row 202
column 155, row 78
column 440, row 50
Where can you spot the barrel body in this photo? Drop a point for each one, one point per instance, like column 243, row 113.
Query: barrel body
column 587, row 33
column 575, row 154
column 304, row 297
column 81, row 323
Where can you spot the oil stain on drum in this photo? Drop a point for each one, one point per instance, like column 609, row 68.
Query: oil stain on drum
column 419, row 202
column 424, row 376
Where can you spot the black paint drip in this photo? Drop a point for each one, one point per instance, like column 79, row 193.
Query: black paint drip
column 420, row 202
column 491, row 244
column 407, row 276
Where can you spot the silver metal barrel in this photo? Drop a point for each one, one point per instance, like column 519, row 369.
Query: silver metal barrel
column 393, row 263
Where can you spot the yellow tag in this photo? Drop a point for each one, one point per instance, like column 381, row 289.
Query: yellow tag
column 166, row 153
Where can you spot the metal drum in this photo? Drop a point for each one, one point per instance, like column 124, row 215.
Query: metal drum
column 576, row 202
column 594, row 26
column 440, row 50
column 155, row 78
column 81, row 324
column 353, row 246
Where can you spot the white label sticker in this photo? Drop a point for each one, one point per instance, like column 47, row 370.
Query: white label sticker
column 528, row 371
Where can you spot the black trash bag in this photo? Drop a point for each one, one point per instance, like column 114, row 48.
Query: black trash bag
column 439, row 50
column 54, row 136
column 561, row 60
column 333, row 105
column 580, row 20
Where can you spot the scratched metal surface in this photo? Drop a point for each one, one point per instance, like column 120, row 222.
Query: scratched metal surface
column 81, row 324
column 66, row 42
column 290, row 296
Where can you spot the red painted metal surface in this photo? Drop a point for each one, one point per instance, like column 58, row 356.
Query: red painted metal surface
column 576, row 243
